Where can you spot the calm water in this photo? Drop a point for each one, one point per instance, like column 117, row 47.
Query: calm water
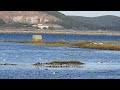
column 54, row 37
column 27, row 54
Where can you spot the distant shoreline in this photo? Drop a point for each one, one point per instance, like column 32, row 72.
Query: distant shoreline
column 73, row 32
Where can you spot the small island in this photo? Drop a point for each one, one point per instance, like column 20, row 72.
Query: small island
column 61, row 64
column 53, row 64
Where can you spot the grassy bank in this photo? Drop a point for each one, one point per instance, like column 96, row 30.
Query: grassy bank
column 97, row 45
column 57, row 43
column 105, row 45
column 81, row 44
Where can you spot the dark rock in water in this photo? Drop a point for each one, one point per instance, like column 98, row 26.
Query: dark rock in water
column 46, row 69
column 38, row 63
column 8, row 64
column 1, row 64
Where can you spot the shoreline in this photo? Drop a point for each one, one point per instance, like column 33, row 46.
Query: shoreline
column 64, row 32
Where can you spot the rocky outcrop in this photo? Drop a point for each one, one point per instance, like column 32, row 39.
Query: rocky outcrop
column 27, row 17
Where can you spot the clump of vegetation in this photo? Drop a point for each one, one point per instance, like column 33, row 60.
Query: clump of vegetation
column 75, row 62
column 60, row 63
column 38, row 63
column 81, row 43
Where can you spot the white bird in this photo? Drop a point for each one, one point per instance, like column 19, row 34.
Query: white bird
column 53, row 72
column 100, row 62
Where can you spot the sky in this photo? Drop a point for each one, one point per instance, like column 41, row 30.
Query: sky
column 91, row 13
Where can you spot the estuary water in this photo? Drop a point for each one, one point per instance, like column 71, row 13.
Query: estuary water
column 99, row 64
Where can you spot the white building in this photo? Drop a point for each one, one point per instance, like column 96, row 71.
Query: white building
column 41, row 26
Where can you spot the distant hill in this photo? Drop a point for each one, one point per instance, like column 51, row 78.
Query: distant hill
column 29, row 17
column 26, row 19
column 107, row 22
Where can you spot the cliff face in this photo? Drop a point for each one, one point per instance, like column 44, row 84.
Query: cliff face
column 27, row 17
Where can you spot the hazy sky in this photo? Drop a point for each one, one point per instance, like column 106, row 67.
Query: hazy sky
column 91, row 13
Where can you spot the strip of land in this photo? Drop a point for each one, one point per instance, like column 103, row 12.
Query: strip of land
column 53, row 64
column 76, row 32
column 82, row 44
column 74, row 44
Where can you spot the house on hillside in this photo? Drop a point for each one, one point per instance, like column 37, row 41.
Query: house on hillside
column 48, row 26
column 41, row 26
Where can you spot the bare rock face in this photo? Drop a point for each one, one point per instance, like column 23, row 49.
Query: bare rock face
column 28, row 17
